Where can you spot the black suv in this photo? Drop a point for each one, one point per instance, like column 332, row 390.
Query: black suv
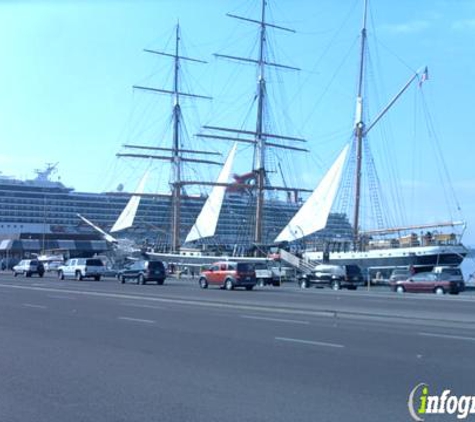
column 143, row 271
column 334, row 276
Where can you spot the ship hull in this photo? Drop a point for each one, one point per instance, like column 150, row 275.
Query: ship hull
column 422, row 258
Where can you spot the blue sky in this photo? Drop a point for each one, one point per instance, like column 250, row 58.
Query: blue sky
column 68, row 68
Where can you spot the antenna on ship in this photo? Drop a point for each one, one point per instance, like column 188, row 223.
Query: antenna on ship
column 176, row 157
column 43, row 175
column 260, row 139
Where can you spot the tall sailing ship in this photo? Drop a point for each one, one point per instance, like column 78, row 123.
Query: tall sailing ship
column 311, row 229
column 243, row 213
column 380, row 249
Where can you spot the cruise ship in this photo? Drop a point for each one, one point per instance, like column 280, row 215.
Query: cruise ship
column 41, row 214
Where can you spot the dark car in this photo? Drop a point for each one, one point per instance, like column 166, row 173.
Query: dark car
column 428, row 282
column 143, row 271
column 228, row 274
column 334, row 276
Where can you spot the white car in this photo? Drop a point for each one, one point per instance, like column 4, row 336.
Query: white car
column 80, row 268
column 28, row 267
column 52, row 265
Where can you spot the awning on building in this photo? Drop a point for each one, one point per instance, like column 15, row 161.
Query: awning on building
column 34, row 245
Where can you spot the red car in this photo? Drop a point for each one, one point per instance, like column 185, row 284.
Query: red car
column 228, row 275
column 428, row 283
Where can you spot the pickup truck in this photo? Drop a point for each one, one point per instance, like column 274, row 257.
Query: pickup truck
column 267, row 275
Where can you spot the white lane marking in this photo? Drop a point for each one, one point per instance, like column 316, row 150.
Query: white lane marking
column 61, row 297
column 38, row 284
column 447, row 336
column 147, row 321
column 31, row 305
column 220, row 305
column 290, row 321
column 309, row 342
column 136, row 305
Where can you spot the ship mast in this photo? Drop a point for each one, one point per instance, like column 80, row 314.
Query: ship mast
column 359, row 129
column 259, row 165
column 260, row 138
column 176, row 152
column 176, row 162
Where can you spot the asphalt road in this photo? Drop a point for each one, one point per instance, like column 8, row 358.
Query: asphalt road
column 102, row 351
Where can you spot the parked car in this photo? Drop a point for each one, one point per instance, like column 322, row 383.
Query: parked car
column 51, row 266
column 428, row 282
column 143, row 271
column 81, row 268
column 266, row 275
column 28, row 267
column 229, row 275
column 334, row 276
column 452, row 273
column 400, row 274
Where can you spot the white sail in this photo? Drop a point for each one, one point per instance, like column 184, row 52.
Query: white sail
column 207, row 221
column 313, row 214
column 105, row 235
column 127, row 216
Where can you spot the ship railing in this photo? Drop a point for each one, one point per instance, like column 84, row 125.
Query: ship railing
column 298, row 263
column 415, row 242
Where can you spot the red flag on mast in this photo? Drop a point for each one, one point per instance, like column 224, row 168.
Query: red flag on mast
column 424, row 76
